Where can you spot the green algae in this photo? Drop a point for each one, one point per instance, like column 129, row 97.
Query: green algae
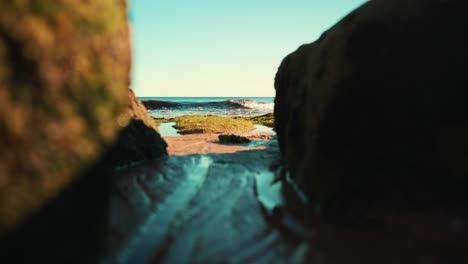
column 266, row 120
column 193, row 124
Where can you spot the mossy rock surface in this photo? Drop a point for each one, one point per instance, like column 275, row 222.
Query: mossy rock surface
column 193, row 124
column 266, row 120
column 64, row 74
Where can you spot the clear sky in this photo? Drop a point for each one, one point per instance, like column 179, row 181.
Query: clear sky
column 222, row 47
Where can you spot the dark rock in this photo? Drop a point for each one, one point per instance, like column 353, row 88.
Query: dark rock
column 233, row 139
column 139, row 140
column 157, row 104
column 72, row 227
column 69, row 228
column 375, row 110
column 64, row 75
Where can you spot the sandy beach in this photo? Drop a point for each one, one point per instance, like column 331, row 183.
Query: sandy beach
column 208, row 143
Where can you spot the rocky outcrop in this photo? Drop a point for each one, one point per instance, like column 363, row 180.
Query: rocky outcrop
column 67, row 120
column 64, row 72
column 71, row 227
column 375, row 110
column 139, row 140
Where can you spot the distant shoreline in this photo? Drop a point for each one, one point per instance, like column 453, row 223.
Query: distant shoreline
column 199, row 134
column 166, row 107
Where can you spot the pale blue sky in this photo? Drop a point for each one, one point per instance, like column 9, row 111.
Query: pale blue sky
column 221, row 47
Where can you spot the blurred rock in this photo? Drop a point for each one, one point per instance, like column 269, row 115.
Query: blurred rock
column 375, row 110
column 64, row 73
column 67, row 121
column 71, row 227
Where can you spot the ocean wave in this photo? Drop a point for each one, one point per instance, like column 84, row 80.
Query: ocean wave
column 168, row 109
column 158, row 104
column 252, row 104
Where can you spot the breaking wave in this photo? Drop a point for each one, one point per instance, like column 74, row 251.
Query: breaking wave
column 161, row 108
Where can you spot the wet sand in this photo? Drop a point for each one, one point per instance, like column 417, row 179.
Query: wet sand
column 215, row 203
column 208, row 143
column 198, row 209
column 218, row 208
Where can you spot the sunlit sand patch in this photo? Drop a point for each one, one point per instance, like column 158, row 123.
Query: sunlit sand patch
column 208, row 143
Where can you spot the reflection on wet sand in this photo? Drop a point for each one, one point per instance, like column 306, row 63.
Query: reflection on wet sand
column 235, row 208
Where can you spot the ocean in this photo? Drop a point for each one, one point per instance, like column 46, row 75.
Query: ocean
column 167, row 107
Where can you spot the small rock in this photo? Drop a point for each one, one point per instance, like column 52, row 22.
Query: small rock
column 233, row 139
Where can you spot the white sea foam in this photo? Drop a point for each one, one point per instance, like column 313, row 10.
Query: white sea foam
column 212, row 106
column 254, row 104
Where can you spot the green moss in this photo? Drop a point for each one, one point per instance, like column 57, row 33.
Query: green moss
column 46, row 10
column 266, row 120
column 191, row 124
column 66, row 79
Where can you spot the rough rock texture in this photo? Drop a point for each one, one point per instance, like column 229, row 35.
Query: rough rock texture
column 71, row 227
column 64, row 100
column 64, row 71
column 196, row 209
column 375, row 110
